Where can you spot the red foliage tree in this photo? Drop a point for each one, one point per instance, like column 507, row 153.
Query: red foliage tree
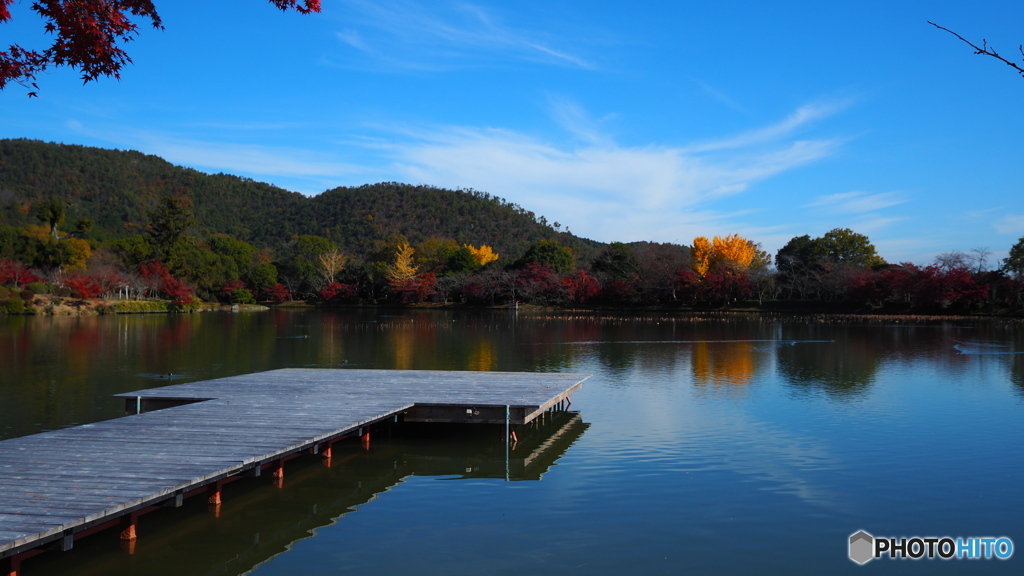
column 618, row 290
column 16, row 273
column 83, row 285
column 687, row 285
column 537, row 281
column 156, row 274
column 87, row 34
column 580, row 287
column 336, row 291
column 110, row 279
column 178, row 292
column 723, row 285
column 415, row 289
column 227, row 292
column 277, row 293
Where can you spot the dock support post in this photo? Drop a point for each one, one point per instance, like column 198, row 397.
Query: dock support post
column 128, row 535
column 9, row 566
column 214, row 493
column 365, row 437
column 278, row 467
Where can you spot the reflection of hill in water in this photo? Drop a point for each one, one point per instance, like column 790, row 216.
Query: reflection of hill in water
column 258, row 521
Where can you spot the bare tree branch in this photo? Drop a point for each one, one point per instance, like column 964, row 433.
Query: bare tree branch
column 984, row 49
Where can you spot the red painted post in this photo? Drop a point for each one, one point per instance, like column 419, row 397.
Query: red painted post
column 128, row 523
column 278, row 467
column 366, row 438
column 214, row 494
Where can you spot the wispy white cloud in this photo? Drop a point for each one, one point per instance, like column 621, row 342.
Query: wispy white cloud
column 294, row 168
column 720, row 96
column 857, row 202
column 800, row 118
column 437, row 35
column 607, row 190
column 1010, row 224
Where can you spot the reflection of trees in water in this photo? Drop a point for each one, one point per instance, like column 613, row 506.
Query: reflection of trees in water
column 841, row 369
column 723, row 369
column 843, row 362
column 1016, row 365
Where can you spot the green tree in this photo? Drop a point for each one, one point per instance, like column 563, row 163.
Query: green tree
column 1014, row 262
column 617, row 261
column 241, row 253
column 550, row 253
column 52, row 212
column 133, row 250
column 844, row 246
column 305, row 260
column 83, row 226
column 169, row 222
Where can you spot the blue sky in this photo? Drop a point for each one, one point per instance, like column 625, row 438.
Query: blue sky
column 623, row 121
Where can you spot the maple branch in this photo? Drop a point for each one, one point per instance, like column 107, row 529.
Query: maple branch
column 88, row 36
column 984, row 49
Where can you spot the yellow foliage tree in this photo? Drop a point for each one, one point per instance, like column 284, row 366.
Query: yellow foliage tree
column 331, row 263
column 701, row 251
column 734, row 249
column 80, row 253
column 484, row 255
column 403, row 268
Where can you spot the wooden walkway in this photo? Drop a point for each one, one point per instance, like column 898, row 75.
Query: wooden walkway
column 67, row 483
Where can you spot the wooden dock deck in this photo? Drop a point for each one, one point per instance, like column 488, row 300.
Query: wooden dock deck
column 64, row 484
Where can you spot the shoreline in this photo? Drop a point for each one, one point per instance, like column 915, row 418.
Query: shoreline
column 46, row 305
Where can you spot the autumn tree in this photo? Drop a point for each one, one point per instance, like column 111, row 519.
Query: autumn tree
column 733, row 250
column 402, row 269
column 659, row 264
column 331, row 264
column 483, row 255
column 87, row 36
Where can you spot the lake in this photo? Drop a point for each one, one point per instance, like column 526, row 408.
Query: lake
column 703, row 445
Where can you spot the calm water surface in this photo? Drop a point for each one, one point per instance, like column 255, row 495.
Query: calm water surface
column 721, row 446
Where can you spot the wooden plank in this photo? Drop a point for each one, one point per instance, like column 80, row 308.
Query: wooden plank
column 89, row 473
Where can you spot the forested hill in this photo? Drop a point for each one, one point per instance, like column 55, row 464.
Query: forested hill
column 118, row 189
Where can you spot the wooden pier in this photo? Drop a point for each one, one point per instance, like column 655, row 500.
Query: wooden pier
column 62, row 485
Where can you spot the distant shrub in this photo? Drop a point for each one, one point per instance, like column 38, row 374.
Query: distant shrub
column 27, row 295
column 242, row 296
column 138, row 307
column 13, row 306
column 6, row 293
column 194, row 306
column 64, row 291
column 41, row 288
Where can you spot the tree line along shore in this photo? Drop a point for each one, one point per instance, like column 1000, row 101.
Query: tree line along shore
column 92, row 230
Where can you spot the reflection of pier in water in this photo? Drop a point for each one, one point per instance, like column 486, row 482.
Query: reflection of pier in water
column 257, row 522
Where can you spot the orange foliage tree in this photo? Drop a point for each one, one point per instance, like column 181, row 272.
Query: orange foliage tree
column 733, row 249
column 483, row 255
